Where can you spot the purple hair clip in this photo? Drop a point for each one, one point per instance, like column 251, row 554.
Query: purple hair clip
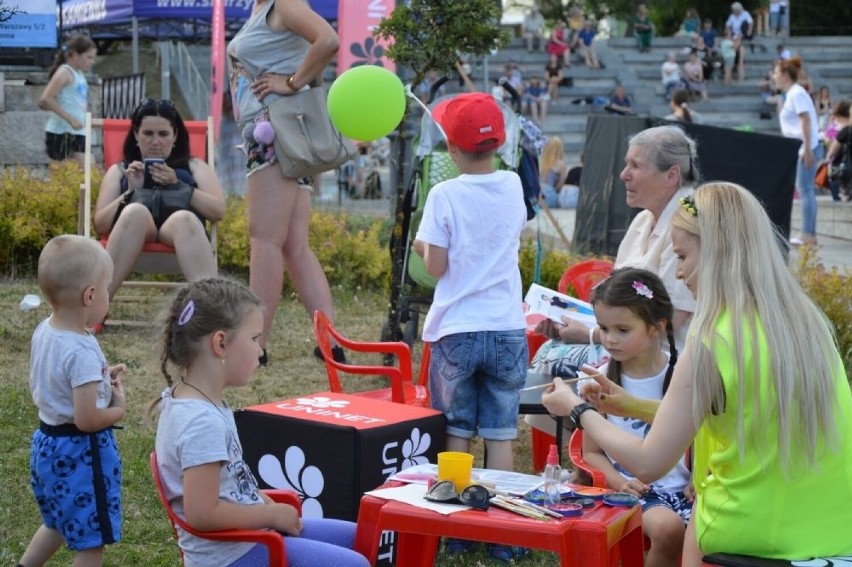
column 643, row 290
column 186, row 314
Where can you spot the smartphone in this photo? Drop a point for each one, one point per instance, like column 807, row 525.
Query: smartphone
column 148, row 181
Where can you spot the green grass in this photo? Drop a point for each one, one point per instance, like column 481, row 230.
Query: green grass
column 147, row 538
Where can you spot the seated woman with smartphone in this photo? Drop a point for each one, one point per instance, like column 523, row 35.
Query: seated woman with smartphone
column 158, row 193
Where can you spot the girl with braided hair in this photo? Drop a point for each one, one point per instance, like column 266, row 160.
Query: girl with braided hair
column 634, row 315
column 211, row 336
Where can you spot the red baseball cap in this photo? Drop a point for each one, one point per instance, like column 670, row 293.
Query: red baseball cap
column 471, row 121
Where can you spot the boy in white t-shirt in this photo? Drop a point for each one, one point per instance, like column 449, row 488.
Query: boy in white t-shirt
column 469, row 239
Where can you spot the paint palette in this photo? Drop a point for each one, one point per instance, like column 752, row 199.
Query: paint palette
column 567, row 509
column 592, row 492
column 620, row 499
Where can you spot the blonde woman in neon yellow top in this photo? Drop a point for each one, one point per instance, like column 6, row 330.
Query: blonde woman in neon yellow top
column 773, row 450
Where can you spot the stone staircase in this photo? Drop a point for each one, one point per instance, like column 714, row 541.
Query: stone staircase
column 826, row 58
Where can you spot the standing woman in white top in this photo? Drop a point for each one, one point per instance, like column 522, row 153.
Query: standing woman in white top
column 798, row 119
column 282, row 48
column 66, row 96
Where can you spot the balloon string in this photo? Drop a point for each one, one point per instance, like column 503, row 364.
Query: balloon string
column 410, row 94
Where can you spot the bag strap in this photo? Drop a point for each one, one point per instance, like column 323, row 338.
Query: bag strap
column 307, row 133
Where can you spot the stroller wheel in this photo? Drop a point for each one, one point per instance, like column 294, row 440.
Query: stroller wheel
column 409, row 334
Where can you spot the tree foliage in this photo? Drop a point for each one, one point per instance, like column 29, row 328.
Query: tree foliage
column 6, row 12
column 430, row 34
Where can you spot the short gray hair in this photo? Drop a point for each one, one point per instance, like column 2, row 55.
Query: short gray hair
column 667, row 146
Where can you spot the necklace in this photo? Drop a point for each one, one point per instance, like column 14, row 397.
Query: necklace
column 197, row 389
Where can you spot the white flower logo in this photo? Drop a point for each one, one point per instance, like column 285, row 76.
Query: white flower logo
column 322, row 402
column 414, row 449
column 308, row 482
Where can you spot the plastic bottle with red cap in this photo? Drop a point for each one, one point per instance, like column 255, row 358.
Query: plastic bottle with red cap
column 552, row 478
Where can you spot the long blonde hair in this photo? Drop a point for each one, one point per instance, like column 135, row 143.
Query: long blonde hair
column 741, row 271
column 552, row 152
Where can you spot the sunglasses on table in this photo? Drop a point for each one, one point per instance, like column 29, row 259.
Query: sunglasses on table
column 444, row 492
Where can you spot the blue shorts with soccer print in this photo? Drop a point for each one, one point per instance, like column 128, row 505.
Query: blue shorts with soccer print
column 76, row 479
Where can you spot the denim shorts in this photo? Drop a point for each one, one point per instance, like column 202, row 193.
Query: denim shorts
column 674, row 501
column 475, row 378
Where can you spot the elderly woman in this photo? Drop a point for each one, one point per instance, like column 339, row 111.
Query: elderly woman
column 758, row 346
column 660, row 167
column 189, row 189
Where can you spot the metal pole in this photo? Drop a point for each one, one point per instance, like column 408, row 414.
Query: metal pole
column 135, row 44
column 485, row 87
column 59, row 28
column 165, row 70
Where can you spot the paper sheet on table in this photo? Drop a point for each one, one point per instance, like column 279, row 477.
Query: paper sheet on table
column 413, row 494
column 511, row 482
column 554, row 305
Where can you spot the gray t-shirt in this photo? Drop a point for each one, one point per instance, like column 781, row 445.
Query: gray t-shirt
column 59, row 362
column 191, row 433
column 258, row 49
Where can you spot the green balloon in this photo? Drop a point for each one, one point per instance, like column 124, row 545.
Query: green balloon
column 366, row 102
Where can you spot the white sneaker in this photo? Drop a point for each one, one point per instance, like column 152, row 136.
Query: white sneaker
column 796, row 241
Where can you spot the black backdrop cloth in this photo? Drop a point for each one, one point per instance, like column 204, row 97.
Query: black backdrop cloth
column 764, row 164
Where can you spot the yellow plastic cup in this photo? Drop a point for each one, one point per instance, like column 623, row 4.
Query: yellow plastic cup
column 456, row 467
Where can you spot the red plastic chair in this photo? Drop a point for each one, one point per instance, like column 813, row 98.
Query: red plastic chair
column 583, row 276
column 402, row 388
column 534, row 339
column 273, row 540
column 575, row 453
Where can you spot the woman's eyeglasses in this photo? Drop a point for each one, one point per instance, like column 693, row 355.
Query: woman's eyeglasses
column 475, row 495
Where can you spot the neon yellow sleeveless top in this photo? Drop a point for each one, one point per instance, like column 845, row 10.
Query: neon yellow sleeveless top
column 750, row 507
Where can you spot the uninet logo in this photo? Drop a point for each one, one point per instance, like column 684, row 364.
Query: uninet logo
column 322, row 402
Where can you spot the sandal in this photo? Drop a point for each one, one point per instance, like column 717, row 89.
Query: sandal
column 453, row 545
column 507, row 553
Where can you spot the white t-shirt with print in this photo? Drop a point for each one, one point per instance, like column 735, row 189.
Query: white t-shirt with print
column 191, row 433
column 649, row 388
column 478, row 219
column 59, row 362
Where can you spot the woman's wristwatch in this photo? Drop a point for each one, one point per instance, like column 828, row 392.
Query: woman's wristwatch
column 578, row 411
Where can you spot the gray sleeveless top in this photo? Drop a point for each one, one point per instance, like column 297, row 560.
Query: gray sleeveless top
column 257, row 49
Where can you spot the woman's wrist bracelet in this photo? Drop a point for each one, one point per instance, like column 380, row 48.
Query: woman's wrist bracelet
column 291, row 82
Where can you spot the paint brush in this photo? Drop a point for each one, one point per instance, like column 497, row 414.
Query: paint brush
column 546, row 384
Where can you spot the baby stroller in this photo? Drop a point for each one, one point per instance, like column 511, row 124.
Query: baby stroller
column 411, row 286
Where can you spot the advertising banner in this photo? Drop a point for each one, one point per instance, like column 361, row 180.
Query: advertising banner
column 109, row 12
column 217, row 65
column 356, row 22
column 33, row 24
